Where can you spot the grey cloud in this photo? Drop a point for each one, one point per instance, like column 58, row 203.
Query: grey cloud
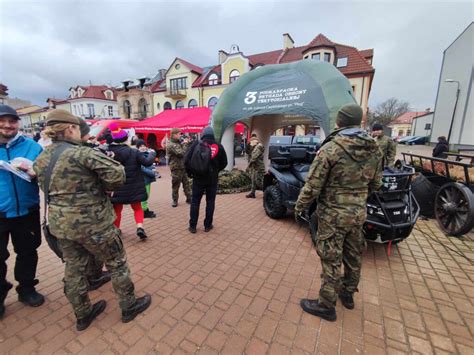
column 48, row 46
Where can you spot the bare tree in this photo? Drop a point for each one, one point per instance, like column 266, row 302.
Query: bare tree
column 387, row 111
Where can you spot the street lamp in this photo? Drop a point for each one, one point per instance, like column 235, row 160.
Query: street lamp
column 455, row 105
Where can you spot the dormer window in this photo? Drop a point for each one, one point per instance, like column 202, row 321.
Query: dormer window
column 73, row 94
column 213, row 79
column 234, row 75
column 327, row 57
column 341, row 62
column 109, row 95
column 316, row 56
column 80, row 92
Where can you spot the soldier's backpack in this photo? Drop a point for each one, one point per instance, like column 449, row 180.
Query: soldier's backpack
column 200, row 162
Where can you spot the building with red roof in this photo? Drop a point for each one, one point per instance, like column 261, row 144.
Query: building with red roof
column 402, row 125
column 185, row 84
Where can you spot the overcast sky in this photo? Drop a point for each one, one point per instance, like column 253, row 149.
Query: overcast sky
column 48, row 46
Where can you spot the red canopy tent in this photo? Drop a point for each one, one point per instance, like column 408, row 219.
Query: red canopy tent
column 189, row 120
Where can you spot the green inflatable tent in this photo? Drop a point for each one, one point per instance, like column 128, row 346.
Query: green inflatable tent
column 303, row 92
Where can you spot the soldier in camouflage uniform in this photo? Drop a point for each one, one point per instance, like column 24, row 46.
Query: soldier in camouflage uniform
column 176, row 151
column 386, row 145
column 81, row 217
column 256, row 167
column 346, row 169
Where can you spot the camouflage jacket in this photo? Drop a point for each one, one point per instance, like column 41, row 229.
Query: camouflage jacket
column 78, row 203
column 176, row 151
column 388, row 148
column 346, row 169
column 256, row 158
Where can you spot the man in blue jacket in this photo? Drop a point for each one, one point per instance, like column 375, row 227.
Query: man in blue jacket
column 19, row 212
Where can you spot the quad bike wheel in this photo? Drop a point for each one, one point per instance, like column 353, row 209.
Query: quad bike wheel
column 273, row 202
column 454, row 208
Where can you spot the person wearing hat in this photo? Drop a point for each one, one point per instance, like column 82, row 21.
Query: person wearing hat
column 441, row 148
column 19, row 212
column 346, row 169
column 205, row 183
column 386, row 144
column 256, row 167
column 81, row 216
column 133, row 192
column 149, row 176
column 175, row 150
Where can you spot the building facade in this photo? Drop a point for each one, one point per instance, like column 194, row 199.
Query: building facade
column 93, row 102
column 422, row 125
column 187, row 85
column 454, row 115
column 402, row 125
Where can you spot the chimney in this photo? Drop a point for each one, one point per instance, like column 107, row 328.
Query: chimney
column 288, row 41
column 222, row 56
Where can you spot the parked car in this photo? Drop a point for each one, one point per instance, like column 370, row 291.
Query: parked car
column 417, row 140
column 403, row 140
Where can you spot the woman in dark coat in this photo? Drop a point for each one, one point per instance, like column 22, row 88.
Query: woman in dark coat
column 441, row 148
column 133, row 192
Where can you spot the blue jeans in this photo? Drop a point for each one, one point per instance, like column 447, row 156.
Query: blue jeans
column 197, row 191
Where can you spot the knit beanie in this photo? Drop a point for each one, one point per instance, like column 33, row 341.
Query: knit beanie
column 84, row 127
column 207, row 132
column 349, row 115
column 377, row 127
column 175, row 130
column 140, row 142
column 61, row 116
column 118, row 134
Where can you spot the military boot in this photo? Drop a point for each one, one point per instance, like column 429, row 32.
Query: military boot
column 140, row 305
column 3, row 296
column 318, row 309
column 250, row 195
column 346, row 299
column 29, row 296
column 97, row 308
column 95, row 283
column 174, row 204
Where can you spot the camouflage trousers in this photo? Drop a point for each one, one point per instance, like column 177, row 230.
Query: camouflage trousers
column 338, row 245
column 106, row 246
column 94, row 267
column 179, row 177
column 256, row 177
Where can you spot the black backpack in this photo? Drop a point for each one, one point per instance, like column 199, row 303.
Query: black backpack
column 200, row 162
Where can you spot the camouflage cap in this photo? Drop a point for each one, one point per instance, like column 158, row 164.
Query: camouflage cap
column 349, row 115
column 175, row 130
column 61, row 116
column 84, row 127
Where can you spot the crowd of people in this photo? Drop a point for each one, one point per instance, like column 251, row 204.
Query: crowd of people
column 86, row 189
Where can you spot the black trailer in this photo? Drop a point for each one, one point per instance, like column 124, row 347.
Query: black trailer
column 444, row 189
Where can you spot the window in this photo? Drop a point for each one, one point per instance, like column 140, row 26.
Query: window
column 213, row 79
column 316, row 56
column 327, row 57
column 167, row 106
column 111, row 111
column 427, row 126
column 341, row 62
column 353, row 88
column 75, row 110
column 73, row 94
column 192, row 103
column 127, row 109
column 179, row 105
column 212, row 103
column 234, row 75
column 158, row 106
column 400, row 132
column 142, row 107
column 408, row 132
column 91, row 109
column 178, row 84
column 109, row 95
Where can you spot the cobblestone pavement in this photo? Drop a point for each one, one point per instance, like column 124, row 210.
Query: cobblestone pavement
column 237, row 289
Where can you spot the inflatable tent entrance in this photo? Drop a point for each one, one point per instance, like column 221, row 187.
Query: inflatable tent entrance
column 306, row 92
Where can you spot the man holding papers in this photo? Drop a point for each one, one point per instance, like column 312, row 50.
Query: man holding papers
column 19, row 211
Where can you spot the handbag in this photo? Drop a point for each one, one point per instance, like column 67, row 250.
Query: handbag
column 50, row 238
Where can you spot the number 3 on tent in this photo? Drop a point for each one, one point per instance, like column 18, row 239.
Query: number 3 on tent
column 250, row 97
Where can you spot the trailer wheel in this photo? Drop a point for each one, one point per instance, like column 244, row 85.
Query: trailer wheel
column 273, row 202
column 454, row 208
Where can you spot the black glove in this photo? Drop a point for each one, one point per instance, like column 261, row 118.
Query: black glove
column 301, row 217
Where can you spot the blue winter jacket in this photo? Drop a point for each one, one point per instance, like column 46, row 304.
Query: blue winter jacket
column 18, row 197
